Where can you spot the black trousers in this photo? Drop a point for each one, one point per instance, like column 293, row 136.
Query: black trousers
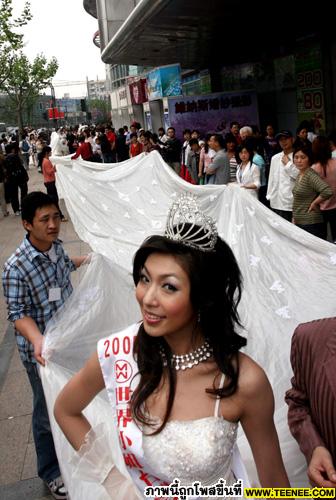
column 52, row 192
column 13, row 188
column 319, row 229
column 329, row 216
column 285, row 214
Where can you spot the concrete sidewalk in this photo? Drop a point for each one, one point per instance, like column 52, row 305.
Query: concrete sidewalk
column 18, row 475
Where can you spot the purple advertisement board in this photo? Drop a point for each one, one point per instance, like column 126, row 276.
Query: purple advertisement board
column 213, row 113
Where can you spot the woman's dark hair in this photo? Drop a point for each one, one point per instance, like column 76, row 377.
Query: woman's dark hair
column 321, row 150
column 306, row 149
column 215, row 292
column 206, row 145
column 192, row 142
column 148, row 135
column 45, row 150
column 229, row 137
column 244, row 145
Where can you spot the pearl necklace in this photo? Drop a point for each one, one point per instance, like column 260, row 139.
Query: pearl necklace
column 184, row 361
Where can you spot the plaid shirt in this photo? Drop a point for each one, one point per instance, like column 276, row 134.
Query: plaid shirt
column 27, row 277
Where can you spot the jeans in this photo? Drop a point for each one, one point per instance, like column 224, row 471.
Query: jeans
column 47, row 462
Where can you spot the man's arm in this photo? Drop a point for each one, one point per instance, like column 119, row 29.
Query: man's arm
column 215, row 164
column 211, row 169
column 30, row 331
column 19, row 306
column 321, row 470
column 299, row 419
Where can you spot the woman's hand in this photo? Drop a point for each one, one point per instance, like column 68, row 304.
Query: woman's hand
column 313, row 206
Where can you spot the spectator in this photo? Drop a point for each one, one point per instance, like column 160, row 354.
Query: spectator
column 193, row 161
column 206, row 156
column 17, row 177
column 234, row 129
column 248, row 173
column 48, row 170
column 84, row 150
column 218, row 171
column 245, row 132
column 136, row 148
column 36, row 282
column 231, row 147
column 308, row 192
column 325, row 166
column 312, row 398
column 3, row 174
column 173, row 148
column 121, row 148
column 282, row 177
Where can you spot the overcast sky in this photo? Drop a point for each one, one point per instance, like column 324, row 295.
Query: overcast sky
column 62, row 28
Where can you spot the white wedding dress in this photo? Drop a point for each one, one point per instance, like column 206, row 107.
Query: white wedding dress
column 193, row 450
column 289, row 278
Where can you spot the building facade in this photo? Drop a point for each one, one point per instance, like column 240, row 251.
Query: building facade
column 286, row 63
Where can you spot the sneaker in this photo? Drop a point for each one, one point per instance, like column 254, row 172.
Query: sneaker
column 57, row 488
column 6, row 214
column 17, row 213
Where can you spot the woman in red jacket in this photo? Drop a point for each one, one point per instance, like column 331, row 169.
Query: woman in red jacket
column 84, row 150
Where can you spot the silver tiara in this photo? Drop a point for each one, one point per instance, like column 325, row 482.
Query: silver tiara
column 186, row 224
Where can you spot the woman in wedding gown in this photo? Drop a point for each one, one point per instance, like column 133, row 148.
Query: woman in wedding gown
column 177, row 383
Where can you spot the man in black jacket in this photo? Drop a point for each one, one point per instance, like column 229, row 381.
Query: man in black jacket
column 173, row 149
column 17, row 176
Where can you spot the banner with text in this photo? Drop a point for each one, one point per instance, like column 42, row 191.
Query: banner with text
column 213, row 113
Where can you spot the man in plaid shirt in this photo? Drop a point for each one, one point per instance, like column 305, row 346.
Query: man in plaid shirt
column 36, row 282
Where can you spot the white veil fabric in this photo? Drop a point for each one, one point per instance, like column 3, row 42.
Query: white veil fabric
column 289, row 278
column 58, row 145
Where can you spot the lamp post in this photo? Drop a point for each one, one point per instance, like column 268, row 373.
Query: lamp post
column 53, row 104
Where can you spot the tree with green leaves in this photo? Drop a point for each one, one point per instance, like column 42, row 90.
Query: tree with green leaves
column 20, row 79
column 10, row 40
column 26, row 80
column 100, row 110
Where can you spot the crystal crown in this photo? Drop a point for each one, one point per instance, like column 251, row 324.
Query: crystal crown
column 186, row 224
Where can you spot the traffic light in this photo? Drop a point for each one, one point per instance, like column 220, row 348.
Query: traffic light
column 83, row 104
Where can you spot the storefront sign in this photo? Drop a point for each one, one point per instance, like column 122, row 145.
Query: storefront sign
column 310, row 91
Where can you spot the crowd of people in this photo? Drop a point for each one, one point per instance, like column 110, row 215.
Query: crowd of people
column 193, row 380
column 268, row 167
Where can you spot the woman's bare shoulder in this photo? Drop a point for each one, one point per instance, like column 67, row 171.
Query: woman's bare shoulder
column 252, row 378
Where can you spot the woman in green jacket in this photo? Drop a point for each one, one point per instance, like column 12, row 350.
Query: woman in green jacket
column 308, row 192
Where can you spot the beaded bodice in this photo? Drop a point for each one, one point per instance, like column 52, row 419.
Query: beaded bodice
column 193, row 450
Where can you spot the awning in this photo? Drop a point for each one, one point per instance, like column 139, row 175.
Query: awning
column 203, row 33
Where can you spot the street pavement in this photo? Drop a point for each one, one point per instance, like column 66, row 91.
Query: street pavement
column 18, row 475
